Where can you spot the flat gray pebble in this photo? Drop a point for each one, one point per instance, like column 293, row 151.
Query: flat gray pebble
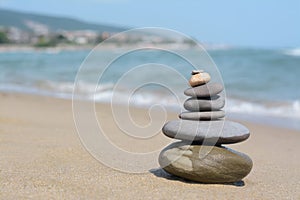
column 195, row 104
column 206, row 90
column 211, row 132
column 212, row 115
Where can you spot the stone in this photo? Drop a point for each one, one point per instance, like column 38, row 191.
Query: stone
column 197, row 72
column 206, row 90
column 209, row 132
column 214, row 103
column 199, row 79
column 213, row 115
column 220, row 165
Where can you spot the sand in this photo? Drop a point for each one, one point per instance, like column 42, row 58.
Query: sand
column 42, row 158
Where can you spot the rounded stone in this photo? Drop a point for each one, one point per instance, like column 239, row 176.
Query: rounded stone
column 199, row 79
column 212, row 132
column 220, row 165
column 195, row 104
column 206, row 90
column 202, row 115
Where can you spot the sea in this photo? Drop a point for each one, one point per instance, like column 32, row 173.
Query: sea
column 262, row 85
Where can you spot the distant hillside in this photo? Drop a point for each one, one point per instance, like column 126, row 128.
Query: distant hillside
column 20, row 20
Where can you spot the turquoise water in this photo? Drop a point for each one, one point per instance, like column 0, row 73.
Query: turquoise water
column 260, row 83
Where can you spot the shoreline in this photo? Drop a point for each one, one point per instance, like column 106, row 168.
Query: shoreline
column 5, row 48
column 42, row 157
column 268, row 120
column 27, row 48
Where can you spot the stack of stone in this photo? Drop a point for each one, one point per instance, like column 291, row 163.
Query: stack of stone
column 203, row 128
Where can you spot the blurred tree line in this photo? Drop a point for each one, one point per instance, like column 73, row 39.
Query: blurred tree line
column 3, row 37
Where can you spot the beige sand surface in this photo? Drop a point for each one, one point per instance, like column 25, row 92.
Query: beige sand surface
column 41, row 157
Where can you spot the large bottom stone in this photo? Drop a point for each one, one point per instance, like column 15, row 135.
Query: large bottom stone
column 221, row 165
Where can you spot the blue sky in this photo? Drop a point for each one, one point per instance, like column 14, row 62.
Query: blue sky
column 265, row 23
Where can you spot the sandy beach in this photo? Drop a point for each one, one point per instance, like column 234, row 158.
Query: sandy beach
column 42, row 157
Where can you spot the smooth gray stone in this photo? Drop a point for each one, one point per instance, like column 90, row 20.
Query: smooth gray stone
column 206, row 90
column 202, row 115
column 214, row 103
column 213, row 132
column 221, row 165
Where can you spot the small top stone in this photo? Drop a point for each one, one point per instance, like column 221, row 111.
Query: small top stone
column 197, row 72
column 199, row 79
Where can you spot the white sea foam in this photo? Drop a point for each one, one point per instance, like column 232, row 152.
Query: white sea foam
column 83, row 88
column 105, row 92
column 138, row 99
column 292, row 52
column 283, row 109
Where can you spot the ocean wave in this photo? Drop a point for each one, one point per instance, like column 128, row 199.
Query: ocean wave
column 82, row 87
column 104, row 93
column 141, row 100
column 292, row 52
column 282, row 109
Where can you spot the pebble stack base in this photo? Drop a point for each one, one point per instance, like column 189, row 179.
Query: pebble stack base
column 221, row 165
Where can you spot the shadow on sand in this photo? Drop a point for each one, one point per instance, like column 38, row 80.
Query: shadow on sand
column 163, row 174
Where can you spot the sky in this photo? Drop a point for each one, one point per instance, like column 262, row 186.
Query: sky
column 253, row 23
